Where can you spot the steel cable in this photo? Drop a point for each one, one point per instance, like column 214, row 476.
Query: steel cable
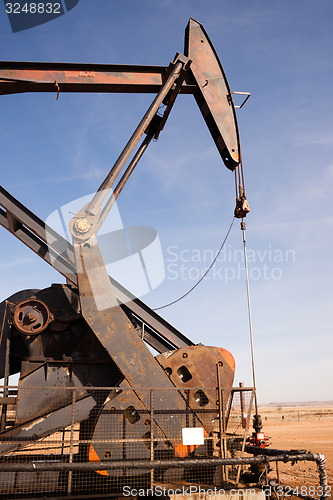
column 203, row 276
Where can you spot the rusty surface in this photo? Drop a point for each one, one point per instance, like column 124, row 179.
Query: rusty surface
column 192, row 370
column 59, row 253
column 68, row 338
column 206, row 81
column 70, row 77
column 111, row 326
column 195, row 367
column 31, row 316
column 213, row 94
column 176, row 72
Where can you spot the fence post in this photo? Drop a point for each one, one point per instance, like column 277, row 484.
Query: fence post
column 151, row 435
column 7, row 366
column 249, row 411
column 221, row 423
column 71, row 445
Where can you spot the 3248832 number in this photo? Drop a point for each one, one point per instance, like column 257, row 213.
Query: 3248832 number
column 305, row 491
column 33, row 8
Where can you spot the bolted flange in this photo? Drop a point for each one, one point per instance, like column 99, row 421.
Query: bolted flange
column 82, row 226
column 31, row 316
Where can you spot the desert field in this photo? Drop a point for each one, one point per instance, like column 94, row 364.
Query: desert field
column 303, row 427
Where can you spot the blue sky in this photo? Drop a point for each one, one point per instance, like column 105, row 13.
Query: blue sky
column 56, row 151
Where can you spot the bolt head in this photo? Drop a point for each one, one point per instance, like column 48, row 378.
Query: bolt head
column 31, row 317
column 82, row 226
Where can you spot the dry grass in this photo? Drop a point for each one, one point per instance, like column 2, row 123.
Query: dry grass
column 301, row 427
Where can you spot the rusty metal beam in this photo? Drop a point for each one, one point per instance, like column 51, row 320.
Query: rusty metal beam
column 99, row 304
column 18, row 214
column 213, row 95
column 18, row 77
column 159, row 327
column 205, row 80
column 39, row 247
column 58, row 252
column 176, row 71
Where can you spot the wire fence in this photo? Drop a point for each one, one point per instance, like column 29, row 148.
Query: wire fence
column 281, row 414
column 56, row 448
column 79, row 441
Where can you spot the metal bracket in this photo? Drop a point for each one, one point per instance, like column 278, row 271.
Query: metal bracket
column 246, row 98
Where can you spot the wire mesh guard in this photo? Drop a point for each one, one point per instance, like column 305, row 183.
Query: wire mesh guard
column 103, row 439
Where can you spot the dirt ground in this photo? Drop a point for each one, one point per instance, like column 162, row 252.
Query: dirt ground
column 306, row 428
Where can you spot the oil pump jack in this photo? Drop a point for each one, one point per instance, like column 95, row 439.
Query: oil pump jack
column 91, row 334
